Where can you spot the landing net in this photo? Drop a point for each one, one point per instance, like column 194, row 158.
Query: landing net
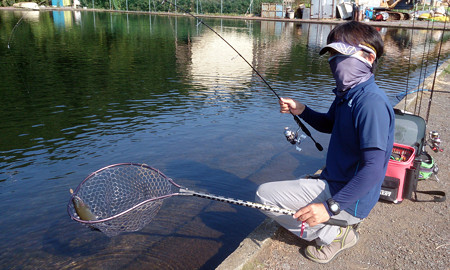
column 123, row 197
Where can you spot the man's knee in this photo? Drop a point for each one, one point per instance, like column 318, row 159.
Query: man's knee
column 263, row 192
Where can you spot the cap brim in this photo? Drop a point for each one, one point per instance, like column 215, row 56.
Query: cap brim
column 324, row 50
column 340, row 47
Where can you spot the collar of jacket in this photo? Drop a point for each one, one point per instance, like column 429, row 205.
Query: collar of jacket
column 352, row 91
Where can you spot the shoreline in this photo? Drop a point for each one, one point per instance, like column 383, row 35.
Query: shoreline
column 412, row 24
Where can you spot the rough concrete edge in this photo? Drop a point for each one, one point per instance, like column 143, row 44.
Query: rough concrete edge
column 250, row 246
column 262, row 235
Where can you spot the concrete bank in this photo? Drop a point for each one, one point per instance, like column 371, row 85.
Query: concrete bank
column 408, row 235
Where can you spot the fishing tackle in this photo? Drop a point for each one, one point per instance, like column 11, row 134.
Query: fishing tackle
column 434, row 141
column 294, row 137
column 296, row 117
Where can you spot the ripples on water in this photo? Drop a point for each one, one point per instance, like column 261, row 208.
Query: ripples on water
column 96, row 89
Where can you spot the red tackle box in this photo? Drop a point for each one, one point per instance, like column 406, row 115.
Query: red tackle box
column 408, row 143
column 401, row 160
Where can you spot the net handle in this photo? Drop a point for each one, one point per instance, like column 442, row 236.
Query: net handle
column 185, row 191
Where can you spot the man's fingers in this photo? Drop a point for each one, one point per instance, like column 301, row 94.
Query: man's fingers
column 286, row 104
column 301, row 214
column 312, row 214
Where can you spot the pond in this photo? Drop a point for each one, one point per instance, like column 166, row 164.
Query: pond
column 83, row 90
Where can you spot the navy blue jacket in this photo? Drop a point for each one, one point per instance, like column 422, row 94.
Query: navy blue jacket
column 361, row 124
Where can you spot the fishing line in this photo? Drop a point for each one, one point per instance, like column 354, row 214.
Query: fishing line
column 13, row 30
column 409, row 60
column 422, row 68
column 437, row 66
column 296, row 117
column 409, row 68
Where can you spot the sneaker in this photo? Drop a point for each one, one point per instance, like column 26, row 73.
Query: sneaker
column 346, row 238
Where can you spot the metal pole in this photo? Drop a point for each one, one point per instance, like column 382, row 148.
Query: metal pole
column 127, row 5
column 221, row 7
column 93, row 4
column 197, row 6
column 109, row 4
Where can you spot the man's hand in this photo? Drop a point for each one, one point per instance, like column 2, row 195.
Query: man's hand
column 313, row 214
column 288, row 105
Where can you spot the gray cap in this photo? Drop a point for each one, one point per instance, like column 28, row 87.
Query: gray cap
column 346, row 49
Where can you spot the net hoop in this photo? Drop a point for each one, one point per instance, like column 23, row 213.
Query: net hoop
column 71, row 210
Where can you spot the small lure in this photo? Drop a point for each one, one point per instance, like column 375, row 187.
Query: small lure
column 302, row 230
column 81, row 208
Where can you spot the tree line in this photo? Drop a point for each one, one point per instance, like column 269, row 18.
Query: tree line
column 195, row 6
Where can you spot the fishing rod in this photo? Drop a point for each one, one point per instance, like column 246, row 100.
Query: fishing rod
column 296, row 117
column 418, row 107
column 435, row 72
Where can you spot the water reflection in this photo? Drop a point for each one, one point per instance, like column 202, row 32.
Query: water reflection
column 206, row 52
column 164, row 91
column 28, row 15
column 62, row 19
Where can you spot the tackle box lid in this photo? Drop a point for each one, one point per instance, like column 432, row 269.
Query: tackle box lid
column 409, row 130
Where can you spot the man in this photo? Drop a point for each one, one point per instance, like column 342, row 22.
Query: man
column 361, row 123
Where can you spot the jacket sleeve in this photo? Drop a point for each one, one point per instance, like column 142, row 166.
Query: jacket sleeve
column 371, row 170
column 322, row 122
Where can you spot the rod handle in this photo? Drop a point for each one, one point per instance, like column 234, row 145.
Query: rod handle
column 337, row 222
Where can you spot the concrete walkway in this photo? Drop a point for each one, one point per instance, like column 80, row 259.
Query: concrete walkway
column 409, row 235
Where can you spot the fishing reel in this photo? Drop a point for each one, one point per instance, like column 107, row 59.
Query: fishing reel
column 434, row 141
column 294, row 137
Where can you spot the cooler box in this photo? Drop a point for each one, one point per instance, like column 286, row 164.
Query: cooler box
column 401, row 159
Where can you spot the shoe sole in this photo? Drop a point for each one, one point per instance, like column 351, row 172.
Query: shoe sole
column 312, row 258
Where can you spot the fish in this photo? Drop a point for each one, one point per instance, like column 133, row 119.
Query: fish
column 82, row 208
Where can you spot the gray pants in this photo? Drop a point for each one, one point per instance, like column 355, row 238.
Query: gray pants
column 295, row 194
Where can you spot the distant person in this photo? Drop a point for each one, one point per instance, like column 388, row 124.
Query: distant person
column 361, row 123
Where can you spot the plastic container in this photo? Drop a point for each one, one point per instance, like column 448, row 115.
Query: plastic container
column 401, row 159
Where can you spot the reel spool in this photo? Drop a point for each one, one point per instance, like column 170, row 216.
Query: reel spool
column 294, row 137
